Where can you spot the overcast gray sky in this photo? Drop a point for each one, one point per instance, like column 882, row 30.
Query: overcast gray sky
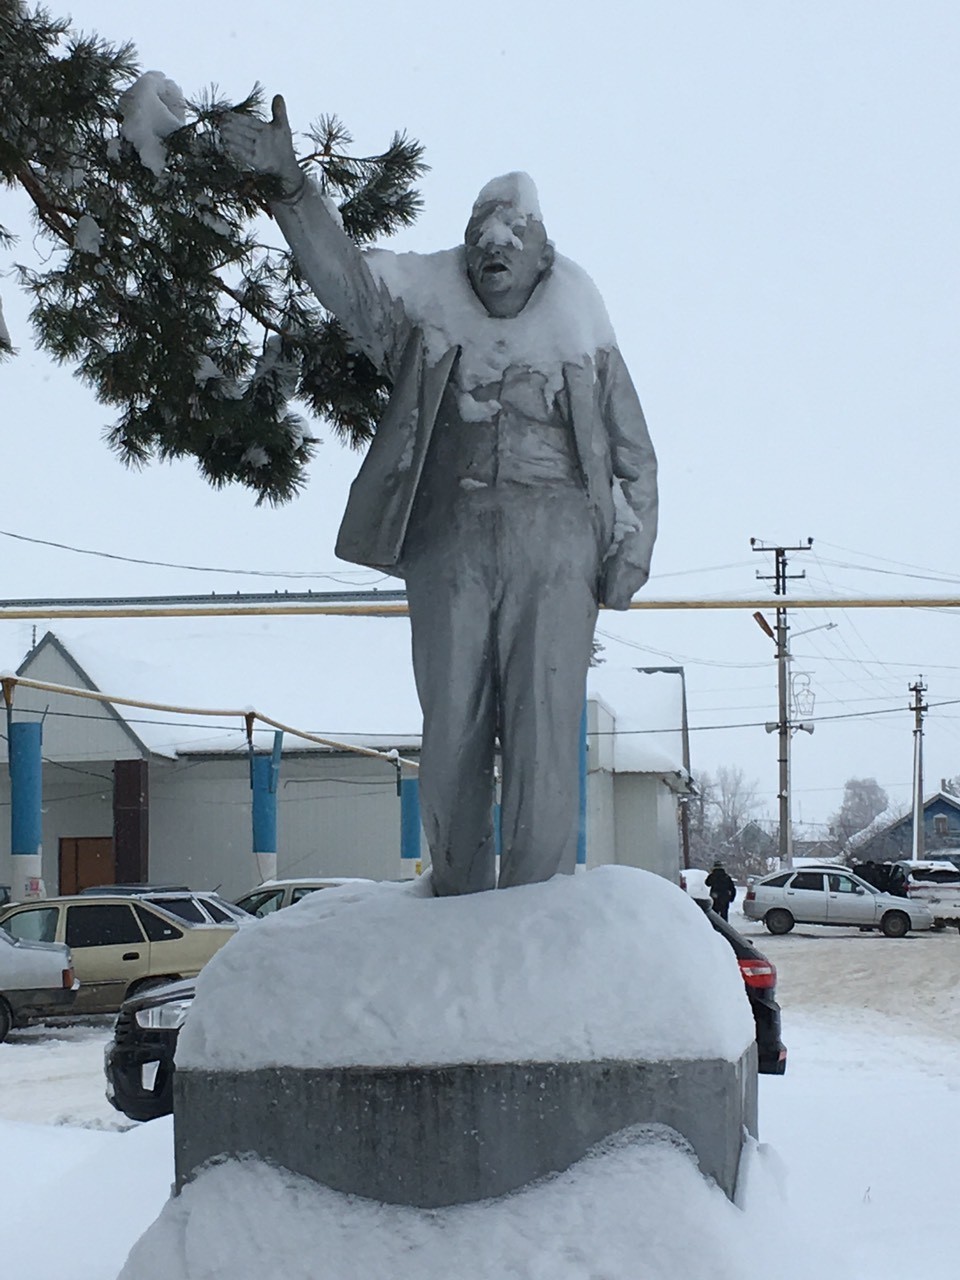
column 766, row 195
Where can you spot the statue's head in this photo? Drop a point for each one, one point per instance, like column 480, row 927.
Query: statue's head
column 507, row 247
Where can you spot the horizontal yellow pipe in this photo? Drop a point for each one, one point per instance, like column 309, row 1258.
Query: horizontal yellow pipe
column 399, row 610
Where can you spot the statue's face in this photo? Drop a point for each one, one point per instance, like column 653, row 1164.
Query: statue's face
column 507, row 253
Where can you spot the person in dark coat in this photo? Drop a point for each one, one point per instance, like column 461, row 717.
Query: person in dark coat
column 722, row 889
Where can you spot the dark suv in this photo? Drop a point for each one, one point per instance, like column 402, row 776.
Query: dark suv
column 138, row 1061
column 760, row 980
column 139, row 1066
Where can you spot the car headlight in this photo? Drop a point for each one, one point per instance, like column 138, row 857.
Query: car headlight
column 166, row 1017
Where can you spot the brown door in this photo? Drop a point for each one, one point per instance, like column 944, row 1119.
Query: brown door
column 86, row 861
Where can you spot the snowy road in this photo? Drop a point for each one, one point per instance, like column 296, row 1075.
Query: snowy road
column 865, row 1123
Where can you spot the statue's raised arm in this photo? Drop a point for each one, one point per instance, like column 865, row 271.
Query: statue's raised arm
column 330, row 261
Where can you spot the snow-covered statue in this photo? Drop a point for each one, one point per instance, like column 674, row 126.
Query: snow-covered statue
column 511, row 483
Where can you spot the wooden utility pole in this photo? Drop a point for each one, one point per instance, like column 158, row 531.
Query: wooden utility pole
column 918, row 708
column 784, row 727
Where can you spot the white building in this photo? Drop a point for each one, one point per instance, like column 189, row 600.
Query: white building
column 152, row 795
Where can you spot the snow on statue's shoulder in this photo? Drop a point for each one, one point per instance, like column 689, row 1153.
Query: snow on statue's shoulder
column 615, row 963
column 564, row 322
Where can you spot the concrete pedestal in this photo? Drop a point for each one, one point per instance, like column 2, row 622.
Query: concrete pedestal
column 433, row 1136
column 436, row 1051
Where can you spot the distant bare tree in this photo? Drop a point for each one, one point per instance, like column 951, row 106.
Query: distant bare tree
column 736, row 802
column 700, row 817
column 863, row 800
column 721, row 823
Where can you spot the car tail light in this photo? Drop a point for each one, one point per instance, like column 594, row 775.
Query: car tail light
column 751, row 896
column 67, row 978
column 758, row 973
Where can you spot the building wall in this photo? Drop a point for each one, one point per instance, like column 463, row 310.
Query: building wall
column 74, row 729
column 336, row 815
column 76, row 802
column 648, row 834
column 601, row 818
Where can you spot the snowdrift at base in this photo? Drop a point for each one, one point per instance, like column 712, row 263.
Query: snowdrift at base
column 636, row 1208
column 613, row 963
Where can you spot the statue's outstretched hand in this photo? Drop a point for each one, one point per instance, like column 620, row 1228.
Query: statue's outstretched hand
column 266, row 146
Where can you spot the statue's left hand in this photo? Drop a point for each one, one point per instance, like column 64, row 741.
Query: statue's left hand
column 266, row 146
column 621, row 581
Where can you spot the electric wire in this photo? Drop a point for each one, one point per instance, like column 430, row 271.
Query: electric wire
column 346, row 577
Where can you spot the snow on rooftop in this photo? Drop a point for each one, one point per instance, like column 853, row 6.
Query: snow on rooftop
column 340, row 677
column 343, row 678
column 561, row 971
column 649, row 717
column 883, row 820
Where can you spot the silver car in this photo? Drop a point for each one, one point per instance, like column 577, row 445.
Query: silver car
column 831, row 895
column 36, row 981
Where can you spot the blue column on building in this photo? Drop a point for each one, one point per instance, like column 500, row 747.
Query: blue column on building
column 410, row 819
column 264, row 778
column 26, row 805
column 26, row 786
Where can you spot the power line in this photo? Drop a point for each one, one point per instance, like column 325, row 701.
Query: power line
column 347, row 576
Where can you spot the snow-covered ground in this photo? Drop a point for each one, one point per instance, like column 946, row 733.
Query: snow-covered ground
column 864, row 1125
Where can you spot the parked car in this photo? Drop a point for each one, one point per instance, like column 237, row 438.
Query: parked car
column 119, row 943
column 693, row 880
column 830, row 895
column 273, row 895
column 36, row 981
column 202, row 906
column 760, row 980
column 937, row 884
column 139, row 1060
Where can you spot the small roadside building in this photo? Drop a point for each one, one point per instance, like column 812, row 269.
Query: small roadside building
column 162, row 794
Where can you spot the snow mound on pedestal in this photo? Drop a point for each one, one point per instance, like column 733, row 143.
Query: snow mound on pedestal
column 636, row 1208
column 614, row 963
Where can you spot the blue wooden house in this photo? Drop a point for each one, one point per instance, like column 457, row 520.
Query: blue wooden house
column 889, row 838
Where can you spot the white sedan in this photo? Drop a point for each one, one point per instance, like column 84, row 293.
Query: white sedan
column 36, row 981
column 831, row 895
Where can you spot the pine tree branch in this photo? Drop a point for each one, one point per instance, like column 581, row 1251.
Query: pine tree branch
column 50, row 213
column 253, row 311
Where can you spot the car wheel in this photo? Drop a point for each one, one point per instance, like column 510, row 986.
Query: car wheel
column 779, row 920
column 6, row 1020
column 895, row 924
column 138, row 988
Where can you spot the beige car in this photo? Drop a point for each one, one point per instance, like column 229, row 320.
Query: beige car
column 119, row 943
column 272, row 895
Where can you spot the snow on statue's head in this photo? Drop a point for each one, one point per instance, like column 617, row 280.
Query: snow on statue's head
column 507, row 249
